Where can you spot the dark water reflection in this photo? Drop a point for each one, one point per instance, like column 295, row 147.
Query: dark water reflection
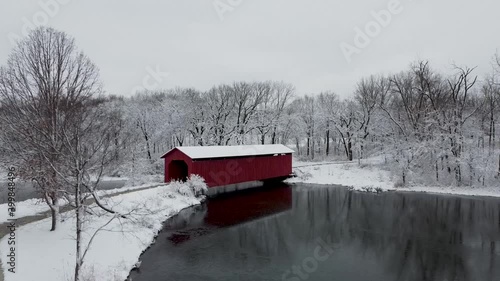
column 329, row 233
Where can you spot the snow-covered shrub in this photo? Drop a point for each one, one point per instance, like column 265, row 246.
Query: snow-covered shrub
column 398, row 184
column 181, row 188
column 195, row 186
column 302, row 175
column 185, row 190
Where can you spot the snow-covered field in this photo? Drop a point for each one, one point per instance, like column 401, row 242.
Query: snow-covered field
column 369, row 176
column 45, row 255
column 342, row 173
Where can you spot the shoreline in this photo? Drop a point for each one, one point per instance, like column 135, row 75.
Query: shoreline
column 401, row 190
column 162, row 229
column 129, row 240
column 371, row 178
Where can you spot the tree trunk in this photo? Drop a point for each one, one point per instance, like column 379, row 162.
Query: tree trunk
column 52, row 201
column 491, row 139
column 437, row 172
column 458, row 174
column 79, row 207
column 349, row 149
column 54, row 212
column 327, row 142
column 308, row 145
column 313, row 148
column 148, row 147
column 498, row 175
column 79, row 224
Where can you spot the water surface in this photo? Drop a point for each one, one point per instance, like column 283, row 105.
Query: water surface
column 328, row 233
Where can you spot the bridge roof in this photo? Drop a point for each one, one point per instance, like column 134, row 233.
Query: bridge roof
column 204, row 152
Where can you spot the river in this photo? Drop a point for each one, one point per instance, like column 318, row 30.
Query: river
column 307, row 232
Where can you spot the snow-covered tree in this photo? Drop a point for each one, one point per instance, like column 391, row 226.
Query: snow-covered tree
column 55, row 123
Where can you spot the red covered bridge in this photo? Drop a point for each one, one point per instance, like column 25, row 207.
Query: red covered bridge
column 237, row 166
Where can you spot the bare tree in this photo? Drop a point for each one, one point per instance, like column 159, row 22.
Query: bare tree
column 44, row 80
column 88, row 147
column 491, row 96
column 329, row 107
column 308, row 113
column 459, row 98
column 270, row 111
column 220, row 102
column 55, row 122
column 368, row 95
column 346, row 123
column 247, row 98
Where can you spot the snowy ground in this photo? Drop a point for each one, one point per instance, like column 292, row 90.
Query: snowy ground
column 370, row 177
column 343, row 173
column 45, row 255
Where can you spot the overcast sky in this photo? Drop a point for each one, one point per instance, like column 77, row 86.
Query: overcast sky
column 201, row 43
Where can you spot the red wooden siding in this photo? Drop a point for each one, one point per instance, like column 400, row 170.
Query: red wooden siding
column 225, row 171
column 219, row 172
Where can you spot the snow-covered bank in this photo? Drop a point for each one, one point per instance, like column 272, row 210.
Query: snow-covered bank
column 369, row 176
column 45, row 255
column 342, row 173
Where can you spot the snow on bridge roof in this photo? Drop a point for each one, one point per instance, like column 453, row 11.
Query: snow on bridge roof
column 201, row 152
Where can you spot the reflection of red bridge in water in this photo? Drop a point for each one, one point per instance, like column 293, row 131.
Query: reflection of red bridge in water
column 235, row 209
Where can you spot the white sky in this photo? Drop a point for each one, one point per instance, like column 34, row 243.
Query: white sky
column 296, row 41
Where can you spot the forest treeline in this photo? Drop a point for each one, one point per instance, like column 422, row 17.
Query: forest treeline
column 431, row 127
